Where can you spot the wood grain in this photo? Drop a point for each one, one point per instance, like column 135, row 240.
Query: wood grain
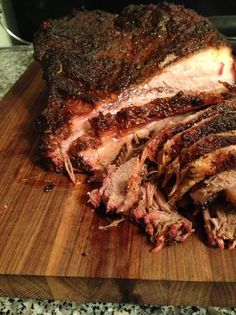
column 50, row 245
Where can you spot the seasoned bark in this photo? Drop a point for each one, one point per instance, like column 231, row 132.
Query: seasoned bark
column 91, row 55
column 214, row 124
column 206, row 145
column 132, row 116
column 156, row 144
column 208, row 165
column 110, row 70
column 203, row 146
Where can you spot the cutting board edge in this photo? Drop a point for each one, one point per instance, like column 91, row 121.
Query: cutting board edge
column 84, row 289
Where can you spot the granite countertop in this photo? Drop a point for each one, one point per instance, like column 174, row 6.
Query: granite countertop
column 13, row 62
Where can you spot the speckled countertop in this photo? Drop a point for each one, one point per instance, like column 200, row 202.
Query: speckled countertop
column 13, row 62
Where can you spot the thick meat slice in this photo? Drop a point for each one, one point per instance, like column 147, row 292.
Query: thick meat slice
column 209, row 188
column 203, row 146
column 132, row 116
column 220, row 225
column 214, row 124
column 155, row 145
column 100, row 153
column 96, row 62
column 207, row 165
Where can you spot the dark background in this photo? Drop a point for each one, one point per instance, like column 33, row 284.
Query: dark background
column 30, row 13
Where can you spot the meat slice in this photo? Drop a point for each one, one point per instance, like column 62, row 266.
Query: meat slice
column 100, row 154
column 142, row 203
column 203, row 146
column 220, row 225
column 207, row 165
column 213, row 124
column 209, row 188
column 161, row 222
column 132, row 116
column 97, row 63
column 155, row 146
column 113, row 192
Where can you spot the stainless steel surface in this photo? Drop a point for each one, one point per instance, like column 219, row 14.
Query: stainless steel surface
column 12, row 34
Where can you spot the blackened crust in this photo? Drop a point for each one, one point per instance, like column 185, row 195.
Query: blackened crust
column 94, row 54
column 132, row 116
column 157, row 143
column 206, row 145
column 221, row 123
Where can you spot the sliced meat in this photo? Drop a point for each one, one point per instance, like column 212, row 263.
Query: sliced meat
column 155, row 145
column 146, row 206
column 210, row 164
column 99, row 154
column 141, row 53
column 220, row 225
column 203, row 146
column 214, row 124
column 163, row 224
column 113, row 192
column 96, row 62
column 132, row 116
column 82, row 123
column 209, row 188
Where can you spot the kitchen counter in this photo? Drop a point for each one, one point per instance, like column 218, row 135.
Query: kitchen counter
column 13, row 62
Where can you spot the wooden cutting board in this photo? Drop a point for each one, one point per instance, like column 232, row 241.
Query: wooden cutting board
column 50, row 245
